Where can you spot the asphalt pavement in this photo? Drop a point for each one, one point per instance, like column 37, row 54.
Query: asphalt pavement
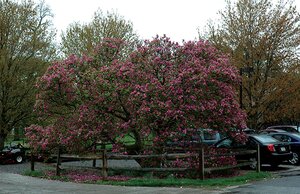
column 12, row 182
column 286, row 184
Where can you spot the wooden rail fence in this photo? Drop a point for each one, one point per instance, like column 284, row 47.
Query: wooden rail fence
column 104, row 156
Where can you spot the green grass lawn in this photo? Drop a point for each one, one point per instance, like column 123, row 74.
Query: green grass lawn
column 129, row 140
column 169, row 182
column 15, row 142
column 213, row 182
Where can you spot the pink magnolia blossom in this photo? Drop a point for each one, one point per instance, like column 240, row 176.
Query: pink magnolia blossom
column 153, row 94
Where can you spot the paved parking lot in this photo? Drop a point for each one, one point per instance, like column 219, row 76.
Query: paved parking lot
column 12, row 182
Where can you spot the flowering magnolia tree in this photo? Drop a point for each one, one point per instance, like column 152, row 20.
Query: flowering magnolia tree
column 155, row 95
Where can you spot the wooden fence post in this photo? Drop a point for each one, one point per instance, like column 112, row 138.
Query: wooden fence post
column 58, row 163
column 94, row 160
column 104, row 163
column 32, row 161
column 201, row 163
column 258, row 159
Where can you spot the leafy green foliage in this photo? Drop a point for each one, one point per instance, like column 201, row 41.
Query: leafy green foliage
column 25, row 49
column 82, row 39
column 265, row 36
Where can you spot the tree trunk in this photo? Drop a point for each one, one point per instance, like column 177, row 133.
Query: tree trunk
column 137, row 147
column 17, row 134
column 2, row 140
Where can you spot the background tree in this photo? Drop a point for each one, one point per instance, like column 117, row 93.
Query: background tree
column 266, row 37
column 83, row 38
column 160, row 91
column 25, row 49
column 285, row 101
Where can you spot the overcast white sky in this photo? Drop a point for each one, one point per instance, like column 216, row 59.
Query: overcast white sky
column 178, row 19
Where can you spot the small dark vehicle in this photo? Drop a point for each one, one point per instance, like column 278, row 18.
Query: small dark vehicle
column 272, row 151
column 12, row 154
column 294, row 140
column 197, row 137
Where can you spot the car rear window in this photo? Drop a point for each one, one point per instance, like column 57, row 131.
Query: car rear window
column 265, row 139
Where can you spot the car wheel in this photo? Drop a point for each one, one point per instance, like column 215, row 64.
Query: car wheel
column 253, row 166
column 295, row 159
column 19, row 159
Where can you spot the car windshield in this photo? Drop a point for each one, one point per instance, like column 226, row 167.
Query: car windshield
column 289, row 129
column 265, row 139
column 286, row 128
column 209, row 135
column 297, row 135
column 224, row 143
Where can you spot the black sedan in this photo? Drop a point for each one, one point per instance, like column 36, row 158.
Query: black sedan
column 272, row 151
column 294, row 140
column 12, row 154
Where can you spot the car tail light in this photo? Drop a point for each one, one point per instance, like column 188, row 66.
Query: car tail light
column 271, row 148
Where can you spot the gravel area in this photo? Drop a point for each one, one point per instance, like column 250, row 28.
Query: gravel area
column 21, row 168
column 111, row 163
